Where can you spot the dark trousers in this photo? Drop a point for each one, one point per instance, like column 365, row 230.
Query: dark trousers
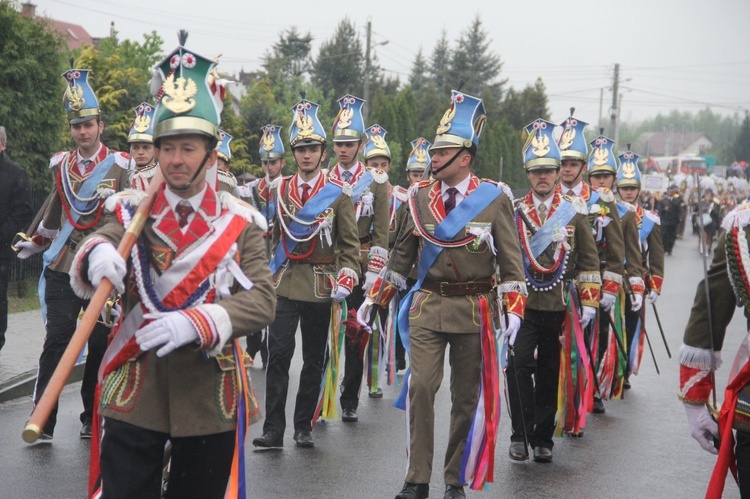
column 63, row 307
column 354, row 363
column 742, row 453
column 314, row 319
column 669, row 235
column 132, row 459
column 540, row 331
column 4, row 277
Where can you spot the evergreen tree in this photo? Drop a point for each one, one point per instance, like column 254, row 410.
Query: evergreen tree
column 440, row 62
column 289, row 59
column 418, row 74
column 31, row 92
column 740, row 150
column 474, row 62
column 339, row 67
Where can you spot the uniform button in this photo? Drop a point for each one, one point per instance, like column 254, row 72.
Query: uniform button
column 450, row 264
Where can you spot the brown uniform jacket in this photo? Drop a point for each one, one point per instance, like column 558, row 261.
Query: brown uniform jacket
column 116, row 179
column 473, row 262
column 652, row 249
column 583, row 259
column 611, row 244
column 187, row 393
column 633, row 255
column 309, row 278
column 696, row 349
column 372, row 229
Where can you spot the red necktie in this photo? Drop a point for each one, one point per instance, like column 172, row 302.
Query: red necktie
column 184, row 209
column 450, row 203
column 305, row 193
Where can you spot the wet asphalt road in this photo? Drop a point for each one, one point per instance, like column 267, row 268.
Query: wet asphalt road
column 640, row 448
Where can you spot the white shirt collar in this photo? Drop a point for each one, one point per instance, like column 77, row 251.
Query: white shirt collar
column 80, row 158
column 537, row 202
column 576, row 190
column 195, row 201
column 462, row 187
column 311, row 182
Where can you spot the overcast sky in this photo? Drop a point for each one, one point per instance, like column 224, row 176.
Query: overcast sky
column 673, row 54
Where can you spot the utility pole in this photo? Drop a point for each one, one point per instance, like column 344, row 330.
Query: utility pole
column 366, row 95
column 615, row 111
column 601, row 106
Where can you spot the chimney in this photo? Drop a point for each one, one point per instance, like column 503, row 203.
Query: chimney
column 28, row 9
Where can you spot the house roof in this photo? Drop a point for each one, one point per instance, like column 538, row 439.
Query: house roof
column 665, row 143
column 75, row 34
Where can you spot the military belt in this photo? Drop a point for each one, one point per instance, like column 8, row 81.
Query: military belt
column 459, row 288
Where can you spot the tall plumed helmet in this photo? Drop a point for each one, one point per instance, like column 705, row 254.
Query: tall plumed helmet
column 79, row 98
column 271, row 146
column 186, row 100
column 540, row 150
column 628, row 174
column 375, row 144
column 349, row 125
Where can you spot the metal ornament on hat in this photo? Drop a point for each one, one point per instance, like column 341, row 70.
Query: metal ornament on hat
column 569, row 131
column 268, row 141
column 179, row 93
column 142, row 120
column 74, row 92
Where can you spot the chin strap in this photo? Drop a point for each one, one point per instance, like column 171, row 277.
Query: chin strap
column 435, row 172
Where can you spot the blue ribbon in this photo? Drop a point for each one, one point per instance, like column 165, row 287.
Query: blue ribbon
column 559, row 219
column 86, row 191
column 455, row 222
column 647, row 225
column 314, row 207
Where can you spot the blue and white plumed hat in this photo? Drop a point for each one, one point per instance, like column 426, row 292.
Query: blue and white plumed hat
column 540, row 152
column 375, row 145
column 271, row 145
column 79, row 99
column 572, row 141
column 349, row 125
column 629, row 175
column 142, row 128
column 222, row 148
column 306, row 128
column 419, row 157
column 462, row 123
column 602, row 159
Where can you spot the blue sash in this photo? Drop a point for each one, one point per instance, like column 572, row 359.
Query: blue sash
column 647, row 225
column 622, row 209
column 361, row 186
column 559, row 219
column 314, row 207
column 593, row 199
column 86, row 191
column 453, row 224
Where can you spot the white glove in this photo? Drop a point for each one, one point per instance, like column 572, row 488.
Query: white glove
column 702, row 426
column 510, row 329
column 587, row 315
column 170, row 329
column 340, row 293
column 105, row 261
column 653, row 296
column 606, row 301
column 27, row 248
column 364, row 312
column 370, row 278
column 636, row 302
